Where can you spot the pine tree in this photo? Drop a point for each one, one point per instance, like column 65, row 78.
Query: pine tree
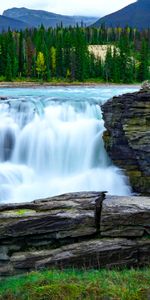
column 53, row 61
column 21, row 55
column 29, row 55
column 116, row 72
column 59, row 61
column 40, row 65
column 143, row 72
column 81, row 56
column 108, row 65
column 8, row 72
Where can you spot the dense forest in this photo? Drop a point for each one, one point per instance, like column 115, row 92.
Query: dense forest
column 63, row 54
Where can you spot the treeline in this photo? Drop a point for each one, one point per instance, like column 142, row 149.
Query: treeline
column 63, row 54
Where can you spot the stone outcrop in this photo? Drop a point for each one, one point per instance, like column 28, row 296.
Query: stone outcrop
column 127, row 139
column 125, row 217
column 75, row 230
column 3, row 98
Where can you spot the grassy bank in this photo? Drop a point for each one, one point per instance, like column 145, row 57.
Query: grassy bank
column 76, row 285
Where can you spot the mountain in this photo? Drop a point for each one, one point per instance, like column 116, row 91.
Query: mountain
column 6, row 22
column 35, row 18
column 135, row 15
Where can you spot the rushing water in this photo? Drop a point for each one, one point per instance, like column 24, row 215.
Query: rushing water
column 51, row 143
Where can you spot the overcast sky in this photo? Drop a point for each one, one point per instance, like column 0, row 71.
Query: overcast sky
column 69, row 7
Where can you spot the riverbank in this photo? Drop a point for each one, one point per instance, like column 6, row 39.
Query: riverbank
column 36, row 84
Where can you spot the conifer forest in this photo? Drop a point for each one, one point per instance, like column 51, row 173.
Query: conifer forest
column 63, row 54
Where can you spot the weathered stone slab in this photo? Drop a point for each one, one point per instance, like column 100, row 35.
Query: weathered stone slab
column 71, row 215
column 96, row 253
column 125, row 217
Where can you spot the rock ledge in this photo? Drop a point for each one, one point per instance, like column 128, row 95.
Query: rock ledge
column 75, row 230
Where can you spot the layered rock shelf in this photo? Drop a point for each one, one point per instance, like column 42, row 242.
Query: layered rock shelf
column 127, row 136
column 88, row 230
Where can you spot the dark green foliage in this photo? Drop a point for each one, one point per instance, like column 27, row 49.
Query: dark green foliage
column 144, row 61
column 66, row 55
column 8, row 72
column 21, row 57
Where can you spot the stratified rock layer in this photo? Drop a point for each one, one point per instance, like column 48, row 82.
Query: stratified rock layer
column 75, row 230
column 127, row 139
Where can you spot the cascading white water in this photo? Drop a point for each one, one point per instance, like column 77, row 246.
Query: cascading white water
column 51, row 146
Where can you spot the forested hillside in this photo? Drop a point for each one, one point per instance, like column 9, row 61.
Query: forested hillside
column 63, row 54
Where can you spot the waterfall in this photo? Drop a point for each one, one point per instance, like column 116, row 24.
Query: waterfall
column 52, row 146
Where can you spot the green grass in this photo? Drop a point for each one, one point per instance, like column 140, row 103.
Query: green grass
column 76, row 285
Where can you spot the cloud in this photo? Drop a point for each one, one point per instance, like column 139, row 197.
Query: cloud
column 70, row 7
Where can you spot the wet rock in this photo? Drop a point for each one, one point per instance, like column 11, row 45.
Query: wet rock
column 3, row 98
column 8, row 144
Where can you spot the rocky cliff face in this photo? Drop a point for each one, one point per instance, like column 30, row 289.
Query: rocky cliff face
column 127, row 139
column 75, row 230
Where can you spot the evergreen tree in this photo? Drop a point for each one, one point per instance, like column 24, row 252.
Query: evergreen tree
column 8, row 72
column 116, row 71
column 40, row 65
column 143, row 72
column 81, row 56
column 21, row 55
column 53, row 61
column 108, row 65
column 29, row 56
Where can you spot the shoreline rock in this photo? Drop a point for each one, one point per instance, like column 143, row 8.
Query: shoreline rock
column 127, row 136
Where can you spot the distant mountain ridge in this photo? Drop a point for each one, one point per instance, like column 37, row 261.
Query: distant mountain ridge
column 6, row 23
column 136, row 15
column 34, row 18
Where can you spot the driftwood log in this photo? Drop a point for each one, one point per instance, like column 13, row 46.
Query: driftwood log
column 75, row 230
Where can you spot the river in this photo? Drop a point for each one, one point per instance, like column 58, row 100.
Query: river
column 51, row 143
